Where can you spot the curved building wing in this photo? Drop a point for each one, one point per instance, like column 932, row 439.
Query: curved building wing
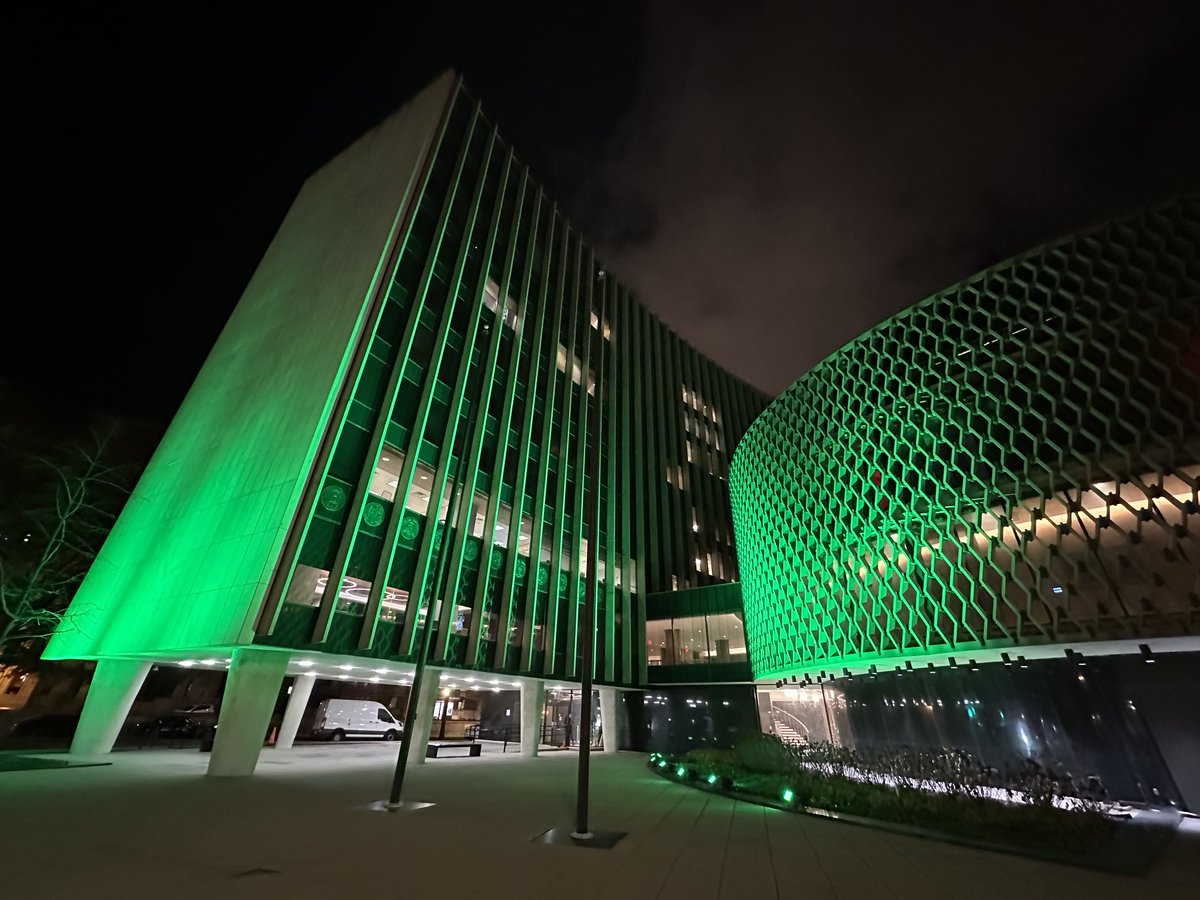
column 1012, row 462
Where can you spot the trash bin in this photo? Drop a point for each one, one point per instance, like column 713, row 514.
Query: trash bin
column 206, row 741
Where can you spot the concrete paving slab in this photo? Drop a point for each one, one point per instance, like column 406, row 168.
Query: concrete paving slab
column 153, row 824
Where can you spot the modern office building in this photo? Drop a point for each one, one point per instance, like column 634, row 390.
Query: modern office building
column 977, row 524
column 974, row 526
column 403, row 402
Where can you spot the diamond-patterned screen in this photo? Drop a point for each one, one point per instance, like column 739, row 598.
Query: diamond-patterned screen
column 1011, row 461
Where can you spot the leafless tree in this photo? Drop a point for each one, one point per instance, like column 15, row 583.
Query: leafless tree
column 58, row 510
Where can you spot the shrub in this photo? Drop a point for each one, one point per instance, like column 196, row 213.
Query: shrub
column 947, row 790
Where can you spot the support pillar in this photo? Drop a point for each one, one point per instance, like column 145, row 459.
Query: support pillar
column 431, row 686
column 115, row 685
column 297, row 702
column 250, row 693
column 533, row 702
column 609, row 719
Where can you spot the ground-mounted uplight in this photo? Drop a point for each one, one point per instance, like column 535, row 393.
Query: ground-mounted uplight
column 712, row 779
column 788, row 795
column 680, row 771
column 662, row 763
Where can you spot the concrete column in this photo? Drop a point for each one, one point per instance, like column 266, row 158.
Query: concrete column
column 297, row 703
column 431, row 688
column 609, row 719
column 250, row 693
column 115, row 685
column 533, row 701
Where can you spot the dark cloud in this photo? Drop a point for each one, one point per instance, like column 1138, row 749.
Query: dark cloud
column 772, row 177
column 788, row 174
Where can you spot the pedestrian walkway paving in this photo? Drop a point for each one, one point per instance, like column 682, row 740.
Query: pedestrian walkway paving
column 152, row 825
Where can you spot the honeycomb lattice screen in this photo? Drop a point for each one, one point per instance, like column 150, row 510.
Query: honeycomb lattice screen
column 1011, row 461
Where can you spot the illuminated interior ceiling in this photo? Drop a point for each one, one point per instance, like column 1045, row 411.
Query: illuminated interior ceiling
column 1013, row 461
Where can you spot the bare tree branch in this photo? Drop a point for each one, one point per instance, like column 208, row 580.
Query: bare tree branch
column 50, row 537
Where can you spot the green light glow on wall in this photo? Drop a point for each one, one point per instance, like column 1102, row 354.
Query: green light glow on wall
column 1014, row 460
column 189, row 559
column 457, row 338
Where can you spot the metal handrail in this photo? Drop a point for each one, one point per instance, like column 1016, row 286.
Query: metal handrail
column 774, row 710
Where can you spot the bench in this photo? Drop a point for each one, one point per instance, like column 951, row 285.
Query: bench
column 432, row 751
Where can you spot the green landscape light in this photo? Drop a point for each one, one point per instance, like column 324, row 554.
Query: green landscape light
column 680, row 771
column 788, row 795
column 712, row 779
column 662, row 763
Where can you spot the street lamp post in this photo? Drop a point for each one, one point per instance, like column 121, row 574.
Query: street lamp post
column 435, row 588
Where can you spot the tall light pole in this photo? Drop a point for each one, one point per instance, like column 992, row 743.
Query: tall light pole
column 436, row 587
column 583, row 835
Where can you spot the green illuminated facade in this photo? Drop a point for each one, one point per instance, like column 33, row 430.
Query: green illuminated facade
column 1010, row 463
column 425, row 319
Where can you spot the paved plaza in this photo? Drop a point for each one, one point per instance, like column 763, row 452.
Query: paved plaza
column 153, row 825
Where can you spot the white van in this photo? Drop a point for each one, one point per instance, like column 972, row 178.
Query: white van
column 339, row 719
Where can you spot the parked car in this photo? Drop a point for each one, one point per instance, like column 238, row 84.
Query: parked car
column 57, row 727
column 174, row 726
column 339, row 719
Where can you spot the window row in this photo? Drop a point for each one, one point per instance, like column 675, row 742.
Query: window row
column 687, row 640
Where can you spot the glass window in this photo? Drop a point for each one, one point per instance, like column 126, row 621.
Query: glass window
column 478, row 514
column 418, row 496
column 387, row 473
column 491, row 299
column 691, row 639
column 728, row 637
column 656, row 640
column 526, row 535
column 308, row 585
column 675, row 642
column 576, row 369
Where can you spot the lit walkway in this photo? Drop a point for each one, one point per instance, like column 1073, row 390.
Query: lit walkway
column 152, row 825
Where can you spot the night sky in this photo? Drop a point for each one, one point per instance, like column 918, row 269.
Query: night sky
column 772, row 179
